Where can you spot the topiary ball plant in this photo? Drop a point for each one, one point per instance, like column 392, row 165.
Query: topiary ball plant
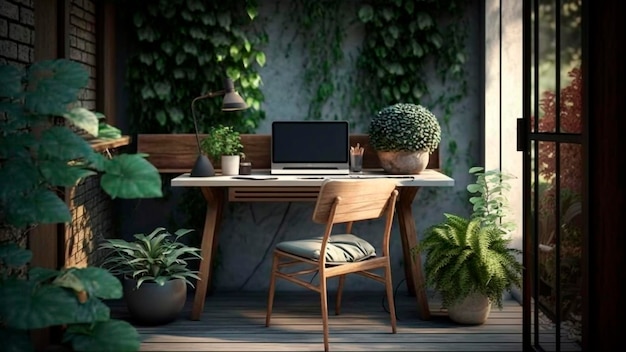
column 404, row 135
column 405, row 127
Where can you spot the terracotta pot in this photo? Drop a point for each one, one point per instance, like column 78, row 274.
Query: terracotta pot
column 473, row 310
column 403, row 162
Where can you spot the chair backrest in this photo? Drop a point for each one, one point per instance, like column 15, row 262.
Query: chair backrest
column 359, row 199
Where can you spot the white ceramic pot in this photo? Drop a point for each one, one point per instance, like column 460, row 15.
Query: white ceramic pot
column 230, row 165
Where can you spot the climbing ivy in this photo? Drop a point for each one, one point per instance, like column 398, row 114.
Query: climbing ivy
column 406, row 45
column 185, row 48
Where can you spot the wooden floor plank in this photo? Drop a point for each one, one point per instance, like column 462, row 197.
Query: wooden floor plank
column 236, row 322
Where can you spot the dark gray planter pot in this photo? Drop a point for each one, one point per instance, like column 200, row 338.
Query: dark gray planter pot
column 152, row 304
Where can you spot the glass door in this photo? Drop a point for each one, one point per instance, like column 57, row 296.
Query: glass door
column 551, row 136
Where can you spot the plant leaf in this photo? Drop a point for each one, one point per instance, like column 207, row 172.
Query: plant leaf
column 98, row 337
column 83, row 118
column 60, row 173
column 61, row 143
column 131, row 176
column 42, row 206
column 99, row 282
column 10, row 81
column 13, row 256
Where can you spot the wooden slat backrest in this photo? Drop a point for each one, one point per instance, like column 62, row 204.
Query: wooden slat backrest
column 176, row 153
column 360, row 199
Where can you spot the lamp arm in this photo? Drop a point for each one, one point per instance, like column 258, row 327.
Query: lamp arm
column 193, row 113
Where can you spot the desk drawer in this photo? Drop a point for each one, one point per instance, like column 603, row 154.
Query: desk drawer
column 269, row 194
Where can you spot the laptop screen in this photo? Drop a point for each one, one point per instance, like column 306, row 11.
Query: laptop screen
column 310, row 147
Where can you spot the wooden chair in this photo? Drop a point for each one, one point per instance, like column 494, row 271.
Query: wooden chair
column 340, row 201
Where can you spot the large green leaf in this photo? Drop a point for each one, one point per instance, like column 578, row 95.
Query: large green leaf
column 131, row 176
column 21, row 174
column 54, row 84
column 14, row 340
column 42, row 206
column 83, row 118
column 111, row 335
column 39, row 274
column 60, row 173
column 106, row 131
column 10, row 81
column 99, row 282
column 16, row 145
column 13, row 256
column 25, row 305
column 61, row 143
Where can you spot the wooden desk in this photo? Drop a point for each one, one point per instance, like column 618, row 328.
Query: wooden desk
column 218, row 190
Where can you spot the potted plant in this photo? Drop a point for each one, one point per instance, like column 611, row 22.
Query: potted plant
column 468, row 259
column 155, row 273
column 224, row 143
column 404, row 136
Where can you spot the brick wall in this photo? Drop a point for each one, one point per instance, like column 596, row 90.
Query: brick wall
column 82, row 40
column 91, row 208
column 17, row 32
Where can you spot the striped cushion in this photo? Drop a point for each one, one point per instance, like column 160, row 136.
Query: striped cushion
column 344, row 248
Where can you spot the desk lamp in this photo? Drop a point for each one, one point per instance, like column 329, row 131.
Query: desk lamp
column 232, row 102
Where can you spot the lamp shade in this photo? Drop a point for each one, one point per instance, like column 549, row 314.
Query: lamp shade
column 232, row 101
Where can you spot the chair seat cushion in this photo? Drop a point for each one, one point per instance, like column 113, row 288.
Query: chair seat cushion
column 344, row 248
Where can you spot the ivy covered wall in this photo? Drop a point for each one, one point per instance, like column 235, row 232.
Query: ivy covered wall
column 312, row 71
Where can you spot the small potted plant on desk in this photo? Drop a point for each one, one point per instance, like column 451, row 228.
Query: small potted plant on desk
column 404, row 136
column 155, row 273
column 223, row 143
column 468, row 260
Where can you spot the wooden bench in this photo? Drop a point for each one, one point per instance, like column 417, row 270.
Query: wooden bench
column 176, row 153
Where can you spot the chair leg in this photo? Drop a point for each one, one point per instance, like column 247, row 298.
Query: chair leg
column 392, row 304
column 342, row 279
column 324, row 304
column 270, row 296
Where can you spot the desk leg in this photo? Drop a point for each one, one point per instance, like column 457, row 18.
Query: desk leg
column 408, row 235
column 215, row 201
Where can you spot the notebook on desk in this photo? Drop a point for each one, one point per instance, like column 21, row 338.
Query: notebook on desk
column 310, row 148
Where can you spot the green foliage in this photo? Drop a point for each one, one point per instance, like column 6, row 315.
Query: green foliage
column 38, row 157
column 205, row 41
column 69, row 297
column 465, row 256
column 406, row 41
column 321, row 27
column 36, row 164
column 221, row 140
column 489, row 201
column 407, row 127
column 156, row 257
column 403, row 43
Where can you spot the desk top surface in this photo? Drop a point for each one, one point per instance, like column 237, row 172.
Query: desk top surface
column 427, row 178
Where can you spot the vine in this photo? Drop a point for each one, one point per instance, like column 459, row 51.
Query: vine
column 319, row 32
column 404, row 43
column 204, row 43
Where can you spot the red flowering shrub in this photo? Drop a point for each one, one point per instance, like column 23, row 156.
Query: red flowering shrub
column 570, row 122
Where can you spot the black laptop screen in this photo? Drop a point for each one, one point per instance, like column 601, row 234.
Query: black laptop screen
column 310, row 142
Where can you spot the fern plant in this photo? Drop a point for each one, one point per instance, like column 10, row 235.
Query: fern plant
column 465, row 256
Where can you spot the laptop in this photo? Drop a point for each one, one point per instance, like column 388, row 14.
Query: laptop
column 310, row 148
